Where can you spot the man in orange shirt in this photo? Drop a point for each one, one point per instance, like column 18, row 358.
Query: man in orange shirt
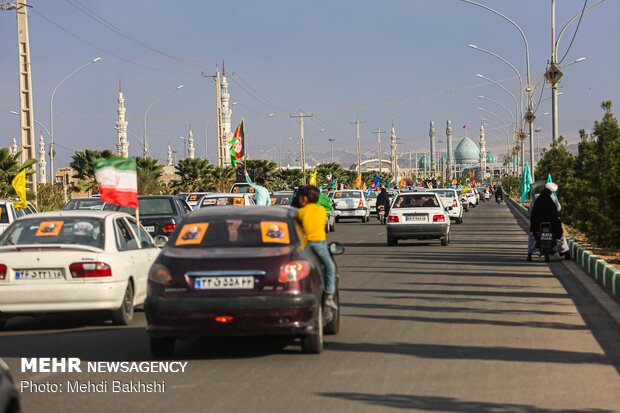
column 311, row 216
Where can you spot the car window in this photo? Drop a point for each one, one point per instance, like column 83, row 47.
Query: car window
column 281, row 199
column 84, row 204
column 4, row 216
column 416, row 201
column 156, row 206
column 235, row 232
column 347, row 194
column 145, row 239
column 184, row 207
column 446, row 194
column 125, row 240
column 222, row 201
column 55, row 230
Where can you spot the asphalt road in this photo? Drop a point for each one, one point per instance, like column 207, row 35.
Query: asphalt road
column 471, row 327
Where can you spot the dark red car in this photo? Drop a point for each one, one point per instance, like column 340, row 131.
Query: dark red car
column 237, row 271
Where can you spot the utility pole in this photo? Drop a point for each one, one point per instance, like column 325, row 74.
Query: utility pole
column 332, row 140
column 410, row 166
column 554, row 85
column 302, row 144
column 378, row 132
column 359, row 155
column 26, row 115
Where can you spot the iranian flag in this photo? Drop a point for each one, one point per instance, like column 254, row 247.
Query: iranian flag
column 118, row 181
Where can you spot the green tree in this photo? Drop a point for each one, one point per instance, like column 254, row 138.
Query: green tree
column 221, row 179
column 10, row 166
column 195, row 175
column 265, row 169
column 49, row 197
column 149, row 172
column 288, row 179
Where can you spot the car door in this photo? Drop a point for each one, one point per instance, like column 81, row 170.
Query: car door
column 144, row 258
column 128, row 250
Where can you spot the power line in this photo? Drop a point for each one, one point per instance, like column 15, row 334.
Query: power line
column 258, row 94
column 97, row 47
column 107, row 24
column 585, row 3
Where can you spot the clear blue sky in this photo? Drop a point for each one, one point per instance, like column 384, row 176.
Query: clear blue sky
column 376, row 60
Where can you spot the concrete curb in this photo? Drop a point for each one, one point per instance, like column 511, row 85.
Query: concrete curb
column 607, row 276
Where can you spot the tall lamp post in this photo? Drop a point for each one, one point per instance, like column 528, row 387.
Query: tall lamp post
column 145, row 147
column 332, row 140
column 52, row 152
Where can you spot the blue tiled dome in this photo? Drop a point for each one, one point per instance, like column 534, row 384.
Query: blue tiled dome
column 491, row 158
column 424, row 162
column 466, row 152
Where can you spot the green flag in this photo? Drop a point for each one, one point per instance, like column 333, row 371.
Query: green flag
column 526, row 182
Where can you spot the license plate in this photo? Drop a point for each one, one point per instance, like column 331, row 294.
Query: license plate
column 149, row 228
column 416, row 218
column 224, row 283
column 39, row 274
column 546, row 236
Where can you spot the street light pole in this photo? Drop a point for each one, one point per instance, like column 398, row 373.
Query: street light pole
column 332, row 141
column 52, row 151
column 145, row 147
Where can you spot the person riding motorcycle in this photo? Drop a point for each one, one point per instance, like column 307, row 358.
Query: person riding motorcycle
column 383, row 199
column 499, row 194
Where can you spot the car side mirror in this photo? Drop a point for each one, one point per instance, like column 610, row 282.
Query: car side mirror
column 161, row 241
column 336, row 248
column 448, row 208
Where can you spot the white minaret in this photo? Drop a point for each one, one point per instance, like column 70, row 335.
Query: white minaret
column 169, row 163
column 450, row 150
column 226, row 116
column 42, row 162
column 483, row 153
column 13, row 148
column 393, row 153
column 431, row 134
column 190, row 144
column 122, row 144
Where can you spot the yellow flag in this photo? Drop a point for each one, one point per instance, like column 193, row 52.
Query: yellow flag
column 364, row 186
column 313, row 178
column 19, row 184
column 358, row 182
column 465, row 190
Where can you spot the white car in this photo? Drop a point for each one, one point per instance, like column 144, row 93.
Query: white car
column 224, row 199
column 8, row 213
column 194, row 197
column 450, row 198
column 471, row 197
column 372, row 201
column 351, row 203
column 418, row 215
column 74, row 261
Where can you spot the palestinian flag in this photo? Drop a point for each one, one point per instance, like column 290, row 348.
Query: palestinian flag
column 118, row 181
column 237, row 145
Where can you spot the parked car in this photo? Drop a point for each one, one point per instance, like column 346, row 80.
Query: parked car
column 351, row 204
column 9, row 396
column 237, row 199
column 159, row 214
column 8, row 212
column 74, row 261
column 418, row 215
column 237, row 271
column 86, row 203
column 449, row 197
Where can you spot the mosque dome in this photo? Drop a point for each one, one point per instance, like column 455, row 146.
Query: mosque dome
column 466, row 152
column 424, row 162
column 491, row 157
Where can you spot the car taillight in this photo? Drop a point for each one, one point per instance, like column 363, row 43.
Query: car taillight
column 455, row 203
column 224, row 319
column 294, row 271
column 439, row 218
column 360, row 205
column 90, row 269
column 168, row 228
column 159, row 274
column 3, row 271
column 392, row 218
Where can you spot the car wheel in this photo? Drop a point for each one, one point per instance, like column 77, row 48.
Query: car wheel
column 363, row 219
column 337, row 219
column 444, row 241
column 391, row 241
column 162, row 347
column 124, row 315
column 459, row 220
column 333, row 327
column 313, row 343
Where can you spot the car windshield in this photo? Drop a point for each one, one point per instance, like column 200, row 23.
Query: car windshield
column 235, row 232
column 84, row 204
column 347, row 194
column 55, row 230
column 155, row 206
column 242, row 189
column 194, row 196
column 281, row 199
column 445, row 194
column 373, row 195
column 416, row 201
column 223, row 201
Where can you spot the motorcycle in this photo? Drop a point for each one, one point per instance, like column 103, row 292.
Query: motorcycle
column 381, row 215
column 547, row 241
column 498, row 199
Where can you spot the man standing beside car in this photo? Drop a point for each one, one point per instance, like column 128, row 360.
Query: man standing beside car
column 311, row 216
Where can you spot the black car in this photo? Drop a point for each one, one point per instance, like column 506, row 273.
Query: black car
column 159, row 214
column 238, row 271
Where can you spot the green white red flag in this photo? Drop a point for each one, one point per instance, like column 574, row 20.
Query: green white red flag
column 237, row 145
column 118, row 181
